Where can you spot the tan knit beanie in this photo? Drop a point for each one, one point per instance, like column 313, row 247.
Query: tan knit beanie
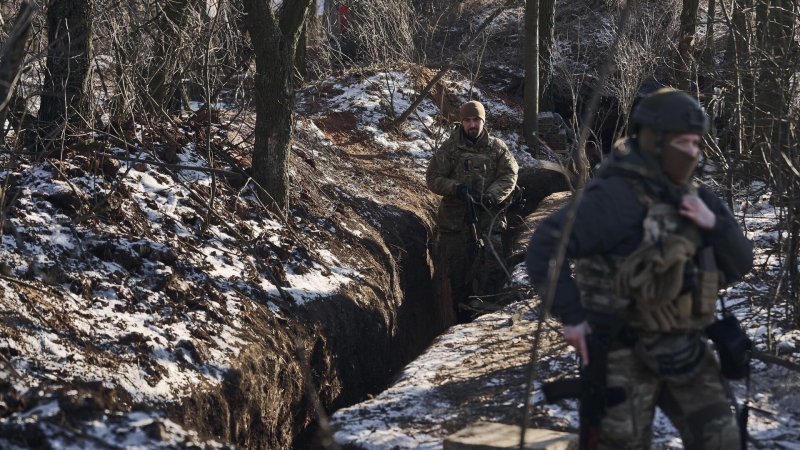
column 472, row 109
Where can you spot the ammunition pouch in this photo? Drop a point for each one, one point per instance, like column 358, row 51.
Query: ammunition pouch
column 733, row 347
column 704, row 299
column 654, row 304
column 653, row 277
column 595, row 277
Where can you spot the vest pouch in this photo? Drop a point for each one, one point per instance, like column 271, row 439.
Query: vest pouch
column 594, row 276
column 733, row 347
column 707, row 289
column 684, row 305
column 474, row 170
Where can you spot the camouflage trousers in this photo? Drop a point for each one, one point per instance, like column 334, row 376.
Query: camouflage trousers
column 470, row 274
column 695, row 402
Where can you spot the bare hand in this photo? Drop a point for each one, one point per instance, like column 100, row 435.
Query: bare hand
column 575, row 335
column 694, row 209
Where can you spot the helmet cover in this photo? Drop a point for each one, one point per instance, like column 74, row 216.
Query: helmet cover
column 669, row 111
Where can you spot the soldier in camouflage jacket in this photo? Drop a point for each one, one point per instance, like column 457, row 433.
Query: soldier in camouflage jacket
column 473, row 164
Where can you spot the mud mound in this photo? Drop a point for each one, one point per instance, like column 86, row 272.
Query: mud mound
column 337, row 122
column 192, row 303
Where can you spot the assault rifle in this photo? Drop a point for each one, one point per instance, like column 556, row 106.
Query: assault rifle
column 471, row 219
column 591, row 389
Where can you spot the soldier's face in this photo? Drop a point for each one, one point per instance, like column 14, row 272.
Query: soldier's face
column 679, row 156
column 688, row 143
column 472, row 126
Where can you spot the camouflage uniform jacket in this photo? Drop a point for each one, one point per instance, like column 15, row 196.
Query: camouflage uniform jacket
column 485, row 166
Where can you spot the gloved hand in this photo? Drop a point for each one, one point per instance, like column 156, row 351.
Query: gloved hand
column 463, row 192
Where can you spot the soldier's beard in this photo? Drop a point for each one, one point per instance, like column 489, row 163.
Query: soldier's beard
column 473, row 132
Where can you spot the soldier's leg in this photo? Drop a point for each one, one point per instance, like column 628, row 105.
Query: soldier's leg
column 452, row 247
column 628, row 425
column 699, row 408
column 489, row 275
column 492, row 274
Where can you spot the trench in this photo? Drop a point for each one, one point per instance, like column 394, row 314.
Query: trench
column 355, row 341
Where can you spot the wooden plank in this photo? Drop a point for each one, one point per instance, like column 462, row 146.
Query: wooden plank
column 493, row 436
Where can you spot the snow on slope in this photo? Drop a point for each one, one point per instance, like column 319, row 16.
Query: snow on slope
column 144, row 300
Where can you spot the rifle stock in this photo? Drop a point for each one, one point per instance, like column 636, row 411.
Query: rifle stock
column 589, row 436
column 591, row 388
column 593, row 391
column 471, row 219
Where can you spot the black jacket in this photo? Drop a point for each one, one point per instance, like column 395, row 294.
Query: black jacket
column 609, row 221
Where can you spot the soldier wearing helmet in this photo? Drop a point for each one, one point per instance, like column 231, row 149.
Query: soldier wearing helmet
column 651, row 251
column 471, row 167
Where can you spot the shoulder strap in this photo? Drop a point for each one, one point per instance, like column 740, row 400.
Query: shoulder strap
column 642, row 193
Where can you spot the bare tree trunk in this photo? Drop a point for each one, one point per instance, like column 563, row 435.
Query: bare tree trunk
column 302, row 52
column 67, row 84
column 773, row 82
column 709, row 69
column 782, row 50
column 547, row 40
column 733, row 138
column 12, row 56
column 172, row 26
column 274, row 35
column 688, row 28
column 708, row 55
column 530, row 121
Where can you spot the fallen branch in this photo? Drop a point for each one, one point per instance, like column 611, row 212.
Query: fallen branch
column 777, row 360
column 24, row 284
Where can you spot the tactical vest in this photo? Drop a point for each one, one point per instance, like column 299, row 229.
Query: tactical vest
column 475, row 166
column 598, row 278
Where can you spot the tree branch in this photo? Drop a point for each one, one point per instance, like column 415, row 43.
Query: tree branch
column 12, row 55
column 422, row 95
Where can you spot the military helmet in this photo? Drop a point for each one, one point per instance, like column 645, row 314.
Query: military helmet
column 669, row 111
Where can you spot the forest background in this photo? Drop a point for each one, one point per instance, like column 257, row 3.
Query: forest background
column 81, row 76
